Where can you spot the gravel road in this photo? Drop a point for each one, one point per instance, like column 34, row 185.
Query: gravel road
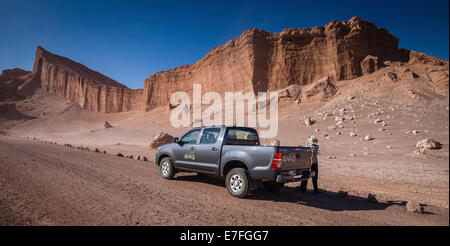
column 47, row 184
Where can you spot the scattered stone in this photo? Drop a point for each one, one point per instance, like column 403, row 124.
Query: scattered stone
column 420, row 151
column 317, row 130
column 144, row 158
column 372, row 198
column 308, row 121
column 160, row 139
column 428, row 143
column 415, row 207
column 415, row 132
column 96, row 150
column 368, row 138
column 389, row 147
column 107, row 125
column 393, row 76
column 352, row 134
column 119, row 154
column 353, row 155
column 377, row 120
column 331, row 157
column 350, row 98
column 381, row 129
column 130, row 156
column 338, row 133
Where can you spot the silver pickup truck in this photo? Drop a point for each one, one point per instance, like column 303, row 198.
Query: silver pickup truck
column 236, row 154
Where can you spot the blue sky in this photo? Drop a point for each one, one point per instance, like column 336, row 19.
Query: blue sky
column 129, row 40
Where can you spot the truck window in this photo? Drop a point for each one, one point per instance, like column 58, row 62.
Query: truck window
column 242, row 137
column 210, row 135
column 190, row 137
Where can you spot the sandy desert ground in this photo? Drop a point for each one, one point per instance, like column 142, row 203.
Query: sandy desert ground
column 48, row 184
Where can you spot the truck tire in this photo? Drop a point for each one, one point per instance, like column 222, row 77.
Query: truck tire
column 237, row 182
column 273, row 186
column 166, row 169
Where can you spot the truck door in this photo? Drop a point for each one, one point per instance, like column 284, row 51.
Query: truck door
column 208, row 150
column 185, row 151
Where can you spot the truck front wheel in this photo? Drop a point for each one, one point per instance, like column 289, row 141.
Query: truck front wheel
column 273, row 186
column 166, row 169
column 237, row 182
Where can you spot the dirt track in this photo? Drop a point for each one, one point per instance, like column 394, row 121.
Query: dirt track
column 45, row 184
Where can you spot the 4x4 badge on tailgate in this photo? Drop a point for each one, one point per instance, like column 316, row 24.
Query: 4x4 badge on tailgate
column 288, row 158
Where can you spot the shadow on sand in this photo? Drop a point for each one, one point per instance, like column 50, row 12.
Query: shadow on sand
column 328, row 200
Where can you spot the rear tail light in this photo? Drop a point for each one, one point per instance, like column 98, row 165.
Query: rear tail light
column 276, row 162
column 310, row 163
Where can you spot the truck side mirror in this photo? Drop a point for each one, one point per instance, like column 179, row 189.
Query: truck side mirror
column 176, row 140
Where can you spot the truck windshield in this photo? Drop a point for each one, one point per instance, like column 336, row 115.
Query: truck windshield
column 242, row 136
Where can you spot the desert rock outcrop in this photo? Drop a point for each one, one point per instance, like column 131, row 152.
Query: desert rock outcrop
column 264, row 61
column 301, row 63
column 89, row 89
column 428, row 143
column 16, row 84
column 160, row 139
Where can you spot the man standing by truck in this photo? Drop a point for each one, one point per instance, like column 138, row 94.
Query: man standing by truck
column 312, row 143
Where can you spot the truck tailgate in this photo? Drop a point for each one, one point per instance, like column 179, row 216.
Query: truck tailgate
column 295, row 158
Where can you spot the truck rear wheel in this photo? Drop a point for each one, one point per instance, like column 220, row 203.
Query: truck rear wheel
column 166, row 169
column 273, row 186
column 237, row 182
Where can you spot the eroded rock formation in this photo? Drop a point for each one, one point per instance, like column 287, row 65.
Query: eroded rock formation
column 291, row 62
column 263, row 61
column 89, row 89
column 16, row 84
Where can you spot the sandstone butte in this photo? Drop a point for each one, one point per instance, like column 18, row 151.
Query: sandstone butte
column 256, row 61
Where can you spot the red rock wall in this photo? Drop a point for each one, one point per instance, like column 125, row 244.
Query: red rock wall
column 89, row 89
column 256, row 61
column 263, row 61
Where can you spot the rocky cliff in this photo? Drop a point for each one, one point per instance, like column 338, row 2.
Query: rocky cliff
column 17, row 84
column 263, row 61
column 256, row 61
column 89, row 89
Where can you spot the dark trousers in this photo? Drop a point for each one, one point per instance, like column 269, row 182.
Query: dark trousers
column 304, row 184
